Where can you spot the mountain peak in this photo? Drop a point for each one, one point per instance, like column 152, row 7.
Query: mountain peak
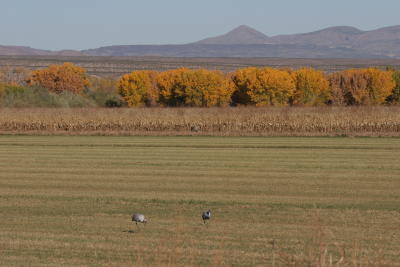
column 240, row 35
column 342, row 29
column 243, row 28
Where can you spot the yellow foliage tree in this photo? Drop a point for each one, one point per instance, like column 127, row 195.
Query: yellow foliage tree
column 312, row 87
column 241, row 79
column 361, row 86
column 139, row 88
column 264, row 86
column 195, row 88
column 60, row 78
column 380, row 85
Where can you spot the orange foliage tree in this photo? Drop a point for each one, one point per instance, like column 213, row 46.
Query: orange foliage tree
column 263, row 87
column 60, row 78
column 195, row 88
column 139, row 88
column 312, row 87
column 361, row 86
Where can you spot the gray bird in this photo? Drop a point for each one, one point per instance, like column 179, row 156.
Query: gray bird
column 138, row 218
column 206, row 216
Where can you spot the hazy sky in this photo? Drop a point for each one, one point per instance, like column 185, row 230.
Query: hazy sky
column 82, row 24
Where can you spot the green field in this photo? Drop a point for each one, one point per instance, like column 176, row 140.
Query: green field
column 67, row 200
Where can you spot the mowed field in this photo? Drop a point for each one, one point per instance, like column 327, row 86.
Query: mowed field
column 283, row 201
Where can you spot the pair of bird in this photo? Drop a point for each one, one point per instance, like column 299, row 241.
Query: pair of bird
column 139, row 218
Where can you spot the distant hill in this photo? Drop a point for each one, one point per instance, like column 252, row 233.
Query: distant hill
column 241, row 35
column 334, row 36
column 10, row 50
column 244, row 41
column 21, row 51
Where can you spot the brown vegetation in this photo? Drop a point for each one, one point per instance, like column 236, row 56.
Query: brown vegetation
column 361, row 86
column 14, row 76
column 249, row 121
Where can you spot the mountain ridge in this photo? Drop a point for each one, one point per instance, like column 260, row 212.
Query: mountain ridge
column 245, row 41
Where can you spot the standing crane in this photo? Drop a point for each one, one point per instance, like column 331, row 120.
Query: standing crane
column 206, row 216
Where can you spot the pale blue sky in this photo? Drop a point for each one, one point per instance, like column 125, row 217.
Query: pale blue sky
column 82, row 24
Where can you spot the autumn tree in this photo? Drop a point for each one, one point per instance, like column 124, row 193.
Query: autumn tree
column 263, row 86
column 361, row 86
column 241, row 79
column 312, row 87
column 60, row 78
column 139, row 88
column 194, row 88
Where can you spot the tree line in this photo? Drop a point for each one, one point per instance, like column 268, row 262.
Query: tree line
column 209, row 88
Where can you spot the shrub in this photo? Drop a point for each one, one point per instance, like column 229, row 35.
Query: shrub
column 194, row 88
column 24, row 97
column 139, row 88
column 114, row 102
column 394, row 98
column 312, row 87
column 103, row 91
column 263, row 87
column 2, row 89
column 60, row 78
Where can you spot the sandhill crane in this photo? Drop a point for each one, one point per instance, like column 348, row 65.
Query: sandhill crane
column 138, row 218
column 206, row 216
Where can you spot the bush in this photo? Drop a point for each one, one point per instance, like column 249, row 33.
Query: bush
column 114, row 102
column 2, row 89
column 394, row 98
column 104, row 92
column 24, row 97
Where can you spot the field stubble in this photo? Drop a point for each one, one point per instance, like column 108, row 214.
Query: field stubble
column 67, row 200
column 246, row 121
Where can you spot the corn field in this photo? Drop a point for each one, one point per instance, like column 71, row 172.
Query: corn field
column 291, row 121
